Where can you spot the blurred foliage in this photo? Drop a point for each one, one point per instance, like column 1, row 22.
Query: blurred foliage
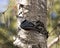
column 8, row 23
column 8, row 26
column 53, row 21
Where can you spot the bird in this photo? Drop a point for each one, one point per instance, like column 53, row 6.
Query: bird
column 38, row 26
column 31, row 35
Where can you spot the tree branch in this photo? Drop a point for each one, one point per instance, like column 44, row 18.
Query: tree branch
column 53, row 42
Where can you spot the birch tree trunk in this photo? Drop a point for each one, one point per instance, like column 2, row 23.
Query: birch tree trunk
column 31, row 10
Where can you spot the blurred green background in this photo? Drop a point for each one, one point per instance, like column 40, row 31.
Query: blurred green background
column 8, row 24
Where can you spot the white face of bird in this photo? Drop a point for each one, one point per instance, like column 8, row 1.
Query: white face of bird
column 22, row 9
column 22, row 5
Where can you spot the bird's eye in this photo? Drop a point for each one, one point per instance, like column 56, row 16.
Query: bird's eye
column 21, row 5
